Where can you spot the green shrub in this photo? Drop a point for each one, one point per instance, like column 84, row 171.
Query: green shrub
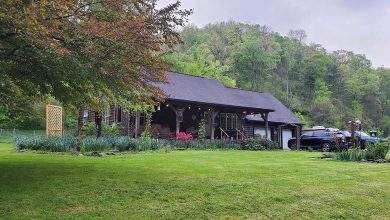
column 91, row 143
column 124, row 143
column 133, row 144
column 121, row 143
column 107, row 130
column 252, row 144
column 356, row 154
column 377, row 151
column 147, row 143
column 202, row 129
column 30, row 143
column 232, row 145
column 258, row 144
column 89, row 129
column 52, row 144
column 70, row 121
column 148, row 124
column 205, row 144
column 372, row 152
column 111, row 130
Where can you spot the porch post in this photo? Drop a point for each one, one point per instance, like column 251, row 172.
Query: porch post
column 266, row 125
column 212, row 115
column 179, row 117
column 137, row 124
column 298, row 138
column 265, row 118
column 280, row 137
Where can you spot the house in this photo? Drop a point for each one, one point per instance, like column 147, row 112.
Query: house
column 229, row 113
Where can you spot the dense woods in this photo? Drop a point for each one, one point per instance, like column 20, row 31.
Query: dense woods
column 322, row 87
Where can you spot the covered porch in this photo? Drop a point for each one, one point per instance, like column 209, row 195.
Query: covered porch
column 221, row 121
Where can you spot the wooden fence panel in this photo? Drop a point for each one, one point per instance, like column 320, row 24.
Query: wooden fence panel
column 53, row 120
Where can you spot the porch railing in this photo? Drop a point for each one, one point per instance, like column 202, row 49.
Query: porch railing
column 240, row 133
column 223, row 132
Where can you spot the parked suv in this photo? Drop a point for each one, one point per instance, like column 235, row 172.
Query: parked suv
column 324, row 140
column 362, row 139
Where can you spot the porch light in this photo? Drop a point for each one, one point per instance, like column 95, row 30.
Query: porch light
column 189, row 107
column 167, row 105
column 244, row 112
column 158, row 108
column 200, row 108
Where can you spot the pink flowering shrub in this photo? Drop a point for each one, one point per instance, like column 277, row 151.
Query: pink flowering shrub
column 182, row 136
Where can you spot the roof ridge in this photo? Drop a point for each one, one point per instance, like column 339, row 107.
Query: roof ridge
column 189, row 74
column 248, row 90
column 203, row 77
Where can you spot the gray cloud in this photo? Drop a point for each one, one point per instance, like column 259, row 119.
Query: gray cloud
column 362, row 26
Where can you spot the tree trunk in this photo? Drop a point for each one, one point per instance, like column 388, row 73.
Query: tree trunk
column 98, row 123
column 80, row 122
column 137, row 124
column 287, row 91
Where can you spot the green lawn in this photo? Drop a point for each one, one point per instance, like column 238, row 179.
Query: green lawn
column 191, row 184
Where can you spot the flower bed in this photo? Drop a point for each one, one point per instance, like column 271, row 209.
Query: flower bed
column 124, row 143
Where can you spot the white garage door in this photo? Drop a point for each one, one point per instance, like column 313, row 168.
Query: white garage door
column 287, row 135
column 260, row 131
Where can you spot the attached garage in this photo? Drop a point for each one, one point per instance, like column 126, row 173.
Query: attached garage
column 283, row 123
column 287, row 134
column 260, row 131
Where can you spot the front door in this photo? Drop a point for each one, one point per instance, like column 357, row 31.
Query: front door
column 286, row 135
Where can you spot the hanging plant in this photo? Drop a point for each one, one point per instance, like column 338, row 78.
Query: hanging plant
column 202, row 129
column 148, row 122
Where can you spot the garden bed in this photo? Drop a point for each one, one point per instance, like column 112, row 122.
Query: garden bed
column 124, row 143
column 375, row 153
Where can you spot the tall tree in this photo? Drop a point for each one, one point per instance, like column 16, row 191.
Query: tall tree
column 86, row 52
column 255, row 59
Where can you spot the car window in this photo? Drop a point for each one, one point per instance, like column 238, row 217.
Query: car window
column 361, row 133
column 321, row 134
column 307, row 133
column 316, row 134
column 346, row 133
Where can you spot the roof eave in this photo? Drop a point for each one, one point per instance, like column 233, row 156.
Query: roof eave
column 220, row 105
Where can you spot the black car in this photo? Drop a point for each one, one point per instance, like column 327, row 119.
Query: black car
column 320, row 140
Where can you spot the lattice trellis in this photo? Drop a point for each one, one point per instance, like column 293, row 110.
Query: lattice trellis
column 53, row 120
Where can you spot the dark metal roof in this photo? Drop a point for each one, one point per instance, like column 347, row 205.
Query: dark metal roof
column 282, row 113
column 189, row 88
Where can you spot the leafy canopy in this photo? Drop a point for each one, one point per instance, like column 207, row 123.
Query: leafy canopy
column 86, row 52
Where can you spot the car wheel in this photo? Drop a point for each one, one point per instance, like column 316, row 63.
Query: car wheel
column 293, row 145
column 326, row 147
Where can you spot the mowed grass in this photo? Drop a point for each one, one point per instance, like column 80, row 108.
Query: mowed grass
column 191, row 185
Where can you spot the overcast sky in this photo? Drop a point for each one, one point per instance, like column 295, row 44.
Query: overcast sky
column 362, row 26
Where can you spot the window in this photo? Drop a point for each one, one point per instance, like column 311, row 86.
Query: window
column 85, row 117
column 118, row 114
column 142, row 119
column 229, row 121
column 107, row 116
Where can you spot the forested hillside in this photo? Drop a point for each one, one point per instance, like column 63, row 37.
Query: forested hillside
column 323, row 88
